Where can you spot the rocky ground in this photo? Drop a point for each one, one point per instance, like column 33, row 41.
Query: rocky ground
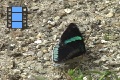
column 26, row 54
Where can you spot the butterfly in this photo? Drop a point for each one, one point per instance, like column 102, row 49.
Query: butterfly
column 71, row 45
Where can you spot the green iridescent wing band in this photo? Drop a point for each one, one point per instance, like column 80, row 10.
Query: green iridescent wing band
column 73, row 39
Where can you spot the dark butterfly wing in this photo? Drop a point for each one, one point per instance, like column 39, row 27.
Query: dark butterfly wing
column 70, row 46
column 69, row 51
column 71, row 31
column 60, row 53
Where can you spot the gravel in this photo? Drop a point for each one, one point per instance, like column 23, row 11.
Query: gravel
column 26, row 54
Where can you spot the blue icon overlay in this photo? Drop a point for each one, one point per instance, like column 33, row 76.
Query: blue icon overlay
column 16, row 17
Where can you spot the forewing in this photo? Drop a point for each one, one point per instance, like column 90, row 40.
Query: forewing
column 71, row 31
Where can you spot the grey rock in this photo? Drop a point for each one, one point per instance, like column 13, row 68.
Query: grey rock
column 29, row 53
column 40, row 54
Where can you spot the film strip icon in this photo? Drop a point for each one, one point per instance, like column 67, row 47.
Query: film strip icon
column 17, row 17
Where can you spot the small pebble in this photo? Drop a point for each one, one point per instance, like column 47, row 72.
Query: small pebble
column 56, row 18
column 39, row 35
column 28, row 53
column 45, row 51
column 103, row 49
column 39, row 54
column 46, row 57
column 67, row 11
column 104, row 58
column 12, row 46
column 57, row 76
column 107, row 1
column 103, row 41
column 85, row 78
column 38, row 42
column 51, row 22
column 16, row 71
column 110, row 14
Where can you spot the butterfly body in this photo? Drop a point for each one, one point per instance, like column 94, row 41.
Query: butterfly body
column 71, row 45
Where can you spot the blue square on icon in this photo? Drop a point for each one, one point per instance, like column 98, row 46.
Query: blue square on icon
column 16, row 24
column 16, row 9
column 16, row 16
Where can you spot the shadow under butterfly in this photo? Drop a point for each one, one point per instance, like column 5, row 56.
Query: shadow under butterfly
column 71, row 45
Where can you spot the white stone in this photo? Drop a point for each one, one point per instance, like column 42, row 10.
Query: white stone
column 67, row 10
column 16, row 71
column 103, row 41
column 38, row 42
column 110, row 14
column 85, row 78
column 51, row 22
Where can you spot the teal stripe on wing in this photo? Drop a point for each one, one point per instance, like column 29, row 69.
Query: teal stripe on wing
column 55, row 53
column 73, row 39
